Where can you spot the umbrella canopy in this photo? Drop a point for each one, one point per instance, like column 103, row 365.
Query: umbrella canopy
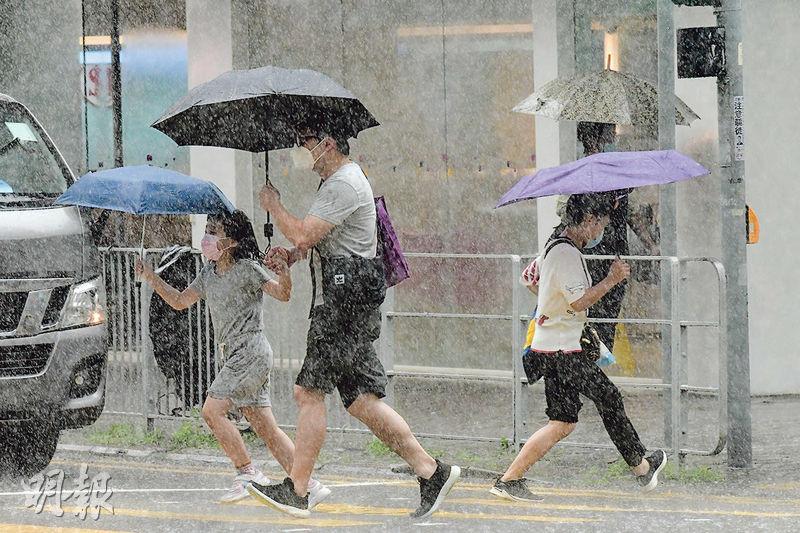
column 608, row 96
column 146, row 190
column 257, row 109
column 606, row 171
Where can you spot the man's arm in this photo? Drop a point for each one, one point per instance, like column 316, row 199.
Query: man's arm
column 304, row 233
column 642, row 230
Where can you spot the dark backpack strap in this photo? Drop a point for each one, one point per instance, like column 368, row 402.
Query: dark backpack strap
column 563, row 240
column 558, row 240
column 313, row 270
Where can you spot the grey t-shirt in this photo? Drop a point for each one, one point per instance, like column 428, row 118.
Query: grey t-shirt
column 235, row 301
column 344, row 200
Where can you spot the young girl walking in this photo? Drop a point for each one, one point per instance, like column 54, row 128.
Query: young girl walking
column 234, row 285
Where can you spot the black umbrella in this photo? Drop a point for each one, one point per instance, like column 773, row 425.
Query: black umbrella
column 258, row 109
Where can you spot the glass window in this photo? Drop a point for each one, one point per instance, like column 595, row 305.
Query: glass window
column 29, row 164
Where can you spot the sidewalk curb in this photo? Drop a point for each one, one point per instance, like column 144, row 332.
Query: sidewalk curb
column 160, row 454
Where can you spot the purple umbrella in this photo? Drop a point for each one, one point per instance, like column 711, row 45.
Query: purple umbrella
column 606, row 171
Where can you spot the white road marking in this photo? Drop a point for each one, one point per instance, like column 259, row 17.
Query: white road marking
column 115, row 491
column 367, row 484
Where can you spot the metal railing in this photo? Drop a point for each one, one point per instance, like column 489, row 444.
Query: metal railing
column 136, row 387
column 678, row 329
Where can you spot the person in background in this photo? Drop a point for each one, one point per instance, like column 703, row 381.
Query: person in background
column 595, row 136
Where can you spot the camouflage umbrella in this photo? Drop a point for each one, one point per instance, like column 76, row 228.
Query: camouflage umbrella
column 608, row 96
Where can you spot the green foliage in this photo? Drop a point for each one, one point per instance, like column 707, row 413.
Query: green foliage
column 191, row 434
column 378, row 449
column 119, row 434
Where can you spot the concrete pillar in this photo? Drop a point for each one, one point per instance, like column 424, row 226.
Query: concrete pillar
column 210, row 53
column 553, row 56
column 770, row 121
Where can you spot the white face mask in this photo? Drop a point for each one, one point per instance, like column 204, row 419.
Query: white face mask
column 302, row 157
column 597, row 240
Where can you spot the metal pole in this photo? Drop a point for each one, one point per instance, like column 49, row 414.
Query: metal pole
column 516, row 351
column 666, row 204
column 734, row 235
column 675, row 350
column 387, row 343
column 116, row 83
column 84, row 100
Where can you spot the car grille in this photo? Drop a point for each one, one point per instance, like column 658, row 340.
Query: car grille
column 11, row 306
column 24, row 360
column 58, row 297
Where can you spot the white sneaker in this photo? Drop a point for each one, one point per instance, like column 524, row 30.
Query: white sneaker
column 238, row 490
column 317, row 492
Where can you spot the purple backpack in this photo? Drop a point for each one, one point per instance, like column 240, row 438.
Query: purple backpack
column 395, row 267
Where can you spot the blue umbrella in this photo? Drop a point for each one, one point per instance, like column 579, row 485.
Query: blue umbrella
column 146, row 190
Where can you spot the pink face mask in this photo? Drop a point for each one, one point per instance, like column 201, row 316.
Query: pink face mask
column 210, row 247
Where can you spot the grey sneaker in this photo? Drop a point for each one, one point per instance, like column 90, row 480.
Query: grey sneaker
column 281, row 497
column 514, row 489
column 649, row 481
column 433, row 491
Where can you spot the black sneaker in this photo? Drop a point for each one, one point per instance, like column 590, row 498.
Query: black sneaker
column 649, row 481
column 281, row 497
column 514, row 489
column 433, row 491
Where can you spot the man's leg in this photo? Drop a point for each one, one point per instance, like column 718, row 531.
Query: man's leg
column 266, row 427
column 215, row 413
column 536, row 447
column 393, row 431
column 311, row 428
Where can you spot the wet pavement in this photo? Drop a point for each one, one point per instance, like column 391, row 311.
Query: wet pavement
column 152, row 494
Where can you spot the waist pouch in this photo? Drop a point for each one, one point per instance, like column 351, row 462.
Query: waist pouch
column 590, row 342
column 352, row 281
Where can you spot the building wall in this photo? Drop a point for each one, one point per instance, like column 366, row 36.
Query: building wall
column 771, row 68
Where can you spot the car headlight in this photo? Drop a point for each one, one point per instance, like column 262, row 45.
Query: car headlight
column 86, row 304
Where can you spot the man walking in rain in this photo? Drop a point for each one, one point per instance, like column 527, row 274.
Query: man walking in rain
column 340, row 234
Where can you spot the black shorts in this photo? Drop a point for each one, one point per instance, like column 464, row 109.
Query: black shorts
column 340, row 354
column 566, row 377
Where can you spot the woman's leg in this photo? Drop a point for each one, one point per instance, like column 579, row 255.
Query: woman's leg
column 215, row 413
column 266, row 427
column 538, row 445
column 563, row 406
column 606, row 396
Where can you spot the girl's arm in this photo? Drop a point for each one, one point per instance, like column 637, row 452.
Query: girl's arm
column 178, row 300
column 282, row 288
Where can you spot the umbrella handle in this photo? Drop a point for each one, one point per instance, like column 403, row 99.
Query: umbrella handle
column 141, row 248
column 269, row 229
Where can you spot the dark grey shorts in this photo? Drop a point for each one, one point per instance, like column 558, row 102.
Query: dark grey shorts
column 244, row 378
column 341, row 355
